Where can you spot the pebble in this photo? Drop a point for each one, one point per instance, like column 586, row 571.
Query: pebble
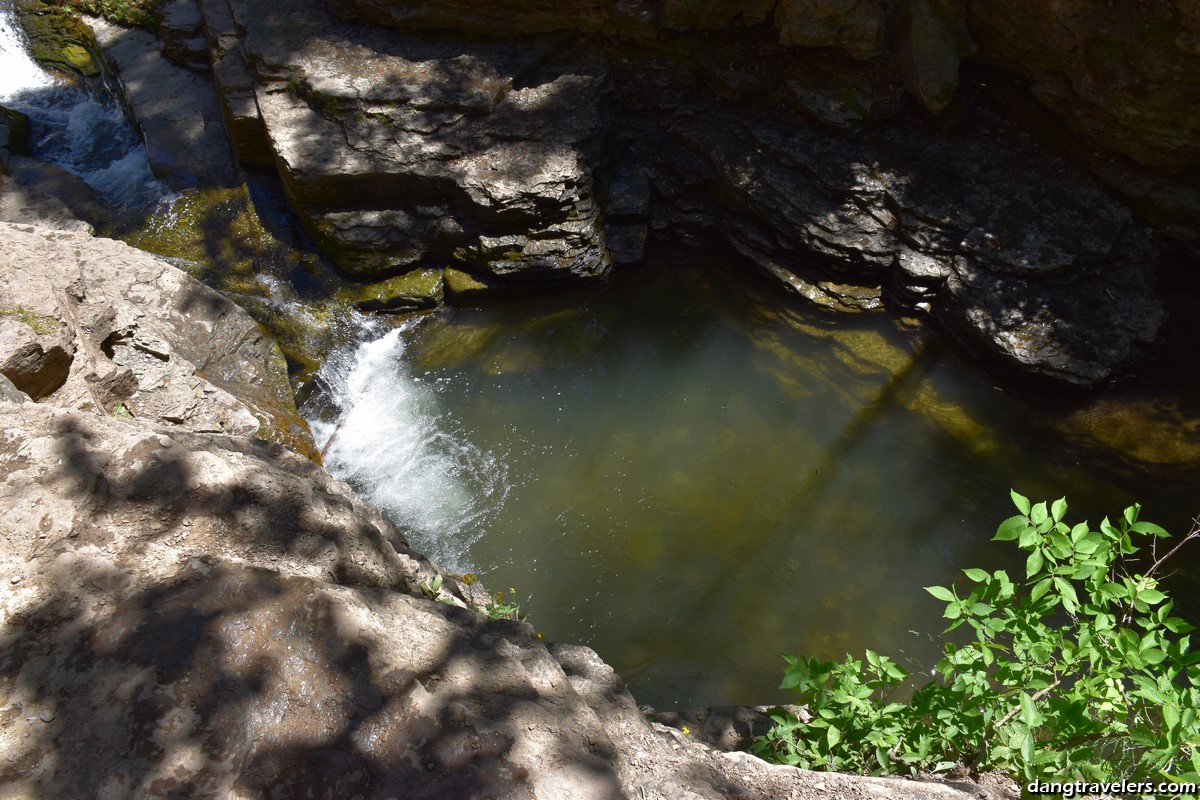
column 15, row 579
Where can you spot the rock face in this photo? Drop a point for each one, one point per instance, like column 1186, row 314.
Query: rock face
column 99, row 326
column 401, row 151
column 438, row 147
column 185, row 141
column 208, row 614
column 540, row 160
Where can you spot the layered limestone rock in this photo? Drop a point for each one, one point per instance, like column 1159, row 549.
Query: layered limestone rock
column 409, row 153
column 416, row 155
column 1021, row 256
column 402, row 152
column 175, row 110
column 99, row 326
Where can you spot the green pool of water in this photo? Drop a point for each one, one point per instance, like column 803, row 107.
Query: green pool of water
column 691, row 474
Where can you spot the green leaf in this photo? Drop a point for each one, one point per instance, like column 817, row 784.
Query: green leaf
column 1059, row 509
column 1020, row 501
column 941, row 593
column 1151, row 596
column 977, row 575
column 1067, row 592
column 1010, row 529
column 1029, row 712
column 1039, row 589
column 833, row 736
column 1078, row 532
column 1150, row 528
column 1038, row 514
column 1033, row 564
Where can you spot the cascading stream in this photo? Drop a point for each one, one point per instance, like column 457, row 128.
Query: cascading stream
column 389, row 439
column 81, row 132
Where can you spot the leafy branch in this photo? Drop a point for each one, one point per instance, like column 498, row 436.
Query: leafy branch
column 1079, row 670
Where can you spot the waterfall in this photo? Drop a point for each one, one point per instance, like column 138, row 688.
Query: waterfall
column 75, row 127
column 389, row 439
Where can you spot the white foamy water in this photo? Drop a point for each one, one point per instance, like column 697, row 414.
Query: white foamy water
column 391, row 441
column 18, row 72
column 87, row 136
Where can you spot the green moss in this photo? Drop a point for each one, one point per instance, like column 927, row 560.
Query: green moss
column 57, row 38
column 421, row 288
column 41, row 323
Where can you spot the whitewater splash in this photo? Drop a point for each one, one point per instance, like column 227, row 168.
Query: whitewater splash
column 391, row 442
column 86, row 135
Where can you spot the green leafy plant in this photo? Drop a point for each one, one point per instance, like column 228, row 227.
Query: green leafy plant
column 1078, row 671
column 499, row 608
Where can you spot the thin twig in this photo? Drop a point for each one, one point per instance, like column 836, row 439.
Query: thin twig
column 1194, row 533
column 1038, row 695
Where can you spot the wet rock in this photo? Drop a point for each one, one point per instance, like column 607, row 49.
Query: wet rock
column 421, row 288
column 185, row 142
column 14, row 134
column 856, row 27
column 841, row 220
column 934, row 39
column 147, row 340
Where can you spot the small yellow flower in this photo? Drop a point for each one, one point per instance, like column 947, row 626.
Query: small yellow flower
column 499, row 597
column 541, row 635
column 512, row 591
column 686, row 730
column 469, row 578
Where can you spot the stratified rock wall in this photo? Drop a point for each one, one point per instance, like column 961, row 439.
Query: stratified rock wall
column 530, row 156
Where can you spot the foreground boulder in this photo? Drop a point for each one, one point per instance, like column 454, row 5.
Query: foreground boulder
column 97, row 325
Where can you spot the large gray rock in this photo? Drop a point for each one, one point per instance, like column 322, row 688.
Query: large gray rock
column 146, row 339
column 399, row 151
column 175, row 110
column 1022, row 257
column 857, row 27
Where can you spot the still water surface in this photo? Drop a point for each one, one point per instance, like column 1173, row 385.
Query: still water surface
column 692, row 475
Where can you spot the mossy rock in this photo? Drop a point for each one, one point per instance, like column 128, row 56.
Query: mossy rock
column 58, row 39
column 412, row 291
column 465, row 289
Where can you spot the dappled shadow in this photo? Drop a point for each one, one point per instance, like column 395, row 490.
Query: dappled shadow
column 217, row 616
